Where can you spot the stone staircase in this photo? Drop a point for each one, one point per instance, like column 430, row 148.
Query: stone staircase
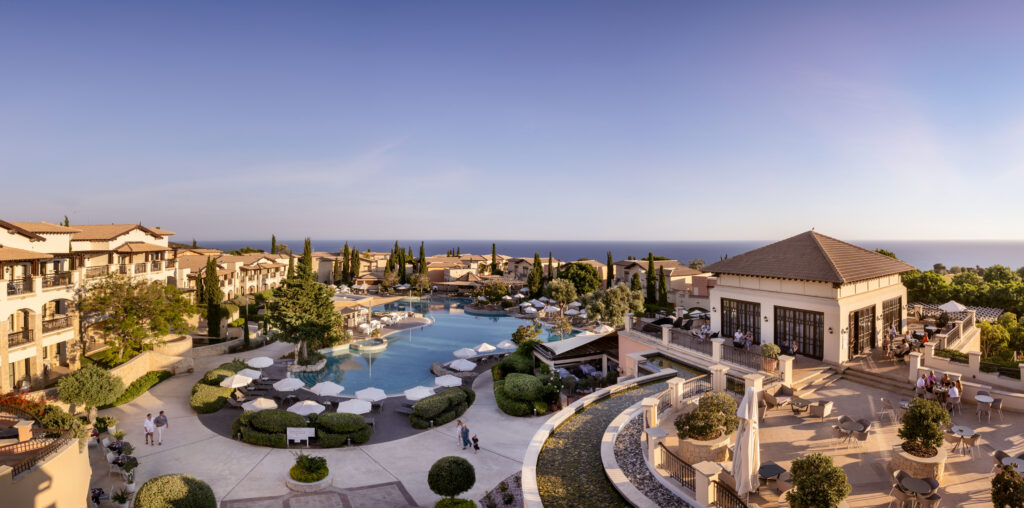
column 879, row 380
column 819, row 378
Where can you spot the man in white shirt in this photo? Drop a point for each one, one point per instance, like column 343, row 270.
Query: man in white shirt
column 953, row 394
column 149, row 427
column 922, row 382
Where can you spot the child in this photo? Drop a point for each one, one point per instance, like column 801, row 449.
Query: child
column 476, row 444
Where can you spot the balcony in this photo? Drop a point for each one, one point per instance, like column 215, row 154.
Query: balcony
column 54, row 280
column 169, row 264
column 122, row 269
column 156, row 266
column 57, row 323
column 19, row 286
column 140, row 267
column 19, row 338
column 93, row 272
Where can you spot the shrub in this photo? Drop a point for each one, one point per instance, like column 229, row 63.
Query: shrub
column 451, row 476
column 234, row 365
column 340, row 422
column 208, row 399
column 817, row 481
column 508, row 498
column 255, row 437
column 140, row 386
column 91, row 387
column 515, row 362
column 1007, row 488
column 442, row 408
column 523, row 387
column 454, row 502
column 215, row 376
column 308, row 468
column 175, row 491
column 540, row 407
column 276, row 420
column 237, row 323
column 105, row 422
column 496, row 373
column 770, row 350
column 331, row 440
column 715, row 414
column 509, row 405
column 922, row 427
column 240, row 422
column 53, row 417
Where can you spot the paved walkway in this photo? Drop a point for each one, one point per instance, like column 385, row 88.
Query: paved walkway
column 238, row 471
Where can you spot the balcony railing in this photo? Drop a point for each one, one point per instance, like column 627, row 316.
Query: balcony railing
column 122, row 269
column 56, row 280
column 726, row 497
column 19, row 286
column 39, row 454
column 156, row 266
column 678, row 468
column 140, row 267
column 57, row 323
column 92, row 272
column 19, row 338
column 169, row 264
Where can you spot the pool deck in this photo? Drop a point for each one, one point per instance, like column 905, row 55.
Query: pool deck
column 252, row 475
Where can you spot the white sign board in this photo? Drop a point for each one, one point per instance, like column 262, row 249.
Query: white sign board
column 296, row 434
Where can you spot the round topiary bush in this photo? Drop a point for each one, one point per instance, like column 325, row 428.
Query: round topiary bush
column 922, row 427
column 715, row 414
column 175, row 491
column 215, row 376
column 523, row 387
column 451, row 476
column 276, row 420
column 817, row 481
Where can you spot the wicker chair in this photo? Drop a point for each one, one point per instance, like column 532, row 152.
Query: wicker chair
column 887, row 410
column 971, row 443
column 997, row 406
column 929, row 502
column 821, row 409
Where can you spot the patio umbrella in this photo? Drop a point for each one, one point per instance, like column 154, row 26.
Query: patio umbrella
column 551, row 309
column 572, row 312
column 524, row 290
column 419, row 392
column 537, row 303
column 583, row 313
column 506, row 297
column 484, row 348
column 544, row 299
column 289, row 384
column 259, row 404
column 254, row 374
column 464, row 353
column 355, row 406
column 462, row 365
column 482, row 298
column 604, row 329
column 448, row 380
column 236, row 381
column 327, row 388
column 306, row 407
column 506, row 344
column 747, row 454
column 575, row 305
column 371, row 394
column 952, row 306
column 526, row 304
column 260, row 362
column 519, row 295
column 530, row 310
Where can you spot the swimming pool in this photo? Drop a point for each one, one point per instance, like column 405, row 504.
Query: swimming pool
column 410, row 353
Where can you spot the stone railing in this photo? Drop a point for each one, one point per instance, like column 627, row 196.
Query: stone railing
column 92, row 272
column 57, row 323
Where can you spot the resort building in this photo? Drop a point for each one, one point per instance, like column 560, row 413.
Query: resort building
column 519, row 268
column 674, row 270
column 825, row 298
column 127, row 249
column 692, row 291
column 243, row 274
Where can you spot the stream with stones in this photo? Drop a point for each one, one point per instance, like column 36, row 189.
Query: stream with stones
column 569, row 468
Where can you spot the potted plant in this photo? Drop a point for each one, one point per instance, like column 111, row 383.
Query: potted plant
column 309, row 473
column 1007, row 488
column 119, row 435
column 922, row 455
column 120, row 497
column 106, row 424
column 704, row 433
column 129, row 473
column 770, row 357
column 817, row 483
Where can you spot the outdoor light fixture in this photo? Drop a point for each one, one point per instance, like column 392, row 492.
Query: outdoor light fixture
column 766, row 319
column 714, row 309
column 830, row 330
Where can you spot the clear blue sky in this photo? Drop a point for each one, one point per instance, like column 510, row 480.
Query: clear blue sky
column 517, row 120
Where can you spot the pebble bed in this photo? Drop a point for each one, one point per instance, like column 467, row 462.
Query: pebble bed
column 495, row 497
column 629, row 455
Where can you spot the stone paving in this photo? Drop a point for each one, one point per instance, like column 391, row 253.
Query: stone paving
column 238, row 471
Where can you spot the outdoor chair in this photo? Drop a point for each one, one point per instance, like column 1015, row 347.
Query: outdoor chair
column 919, row 392
column 404, row 410
column 861, row 437
column 951, row 438
column 997, row 406
column 929, row 502
column 997, row 458
column 105, row 442
column 933, row 483
column 369, row 421
column 839, row 435
column 985, row 407
column 929, row 395
column 954, row 404
column 114, row 468
column 784, row 483
column 379, row 405
column 821, row 409
column 866, row 423
column 845, row 418
column 887, row 410
column 971, row 443
column 983, row 392
column 902, row 497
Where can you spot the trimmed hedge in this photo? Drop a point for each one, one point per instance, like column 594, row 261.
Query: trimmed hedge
column 523, row 387
column 255, row 437
column 509, row 405
column 454, row 502
column 340, row 423
column 140, row 386
column 276, row 420
column 208, row 399
column 515, row 362
column 215, row 376
column 332, row 440
column 175, row 491
column 442, row 407
column 301, row 475
column 234, row 365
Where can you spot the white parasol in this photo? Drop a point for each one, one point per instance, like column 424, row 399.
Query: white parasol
column 506, row 344
column 530, row 310
column 289, row 384
column 254, row 374
column 371, row 394
column 260, row 362
column 419, row 392
column 448, row 380
column 306, row 407
column 484, row 348
column 747, row 453
column 355, row 406
column 462, row 365
column 259, row 404
column 327, row 388
column 464, row 353
column 236, row 381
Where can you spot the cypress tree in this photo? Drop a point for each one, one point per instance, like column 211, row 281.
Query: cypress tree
column 662, row 287
column 651, row 294
column 355, row 265
column 346, row 275
column 194, row 243
column 458, row 251
column 423, row 260
column 403, row 277
column 305, row 267
column 495, row 269
column 245, row 334
column 273, row 244
column 634, row 283
column 336, row 271
column 66, row 221
column 212, row 297
column 291, row 266
column 535, row 280
column 551, row 267
column 611, row 269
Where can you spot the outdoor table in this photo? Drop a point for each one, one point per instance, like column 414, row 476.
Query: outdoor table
column 984, row 399
column 1018, row 464
column 961, row 431
column 799, row 405
column 916, row 485
column 772, row 471
column 851, row 426
column 931, row 329
column 904, row 404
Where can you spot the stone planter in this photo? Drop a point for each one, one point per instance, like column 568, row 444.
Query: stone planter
column 694, row 451
column 769, row 364
column 842, row 504
column 920, row 467
column 316, row 367
column 308, row 487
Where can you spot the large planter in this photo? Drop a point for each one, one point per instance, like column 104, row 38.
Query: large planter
column 842, row 504
column 769, row 364
column 694, row 451
column 316, row 367
column 920, row 467
column 308, row 487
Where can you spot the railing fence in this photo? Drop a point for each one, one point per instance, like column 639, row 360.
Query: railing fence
column 677, row 468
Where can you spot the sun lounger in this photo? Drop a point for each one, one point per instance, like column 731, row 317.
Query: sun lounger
column 404, row 410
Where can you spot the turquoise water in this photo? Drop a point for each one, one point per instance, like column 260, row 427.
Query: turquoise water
column 406, row 362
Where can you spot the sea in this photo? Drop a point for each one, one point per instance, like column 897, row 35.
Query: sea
column 921, row 254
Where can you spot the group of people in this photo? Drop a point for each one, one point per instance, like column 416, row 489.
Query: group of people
column 703, row 333
column 462, row 437
column 945, row 389
column 901, row 350
column 156, row 425
column 744, row 340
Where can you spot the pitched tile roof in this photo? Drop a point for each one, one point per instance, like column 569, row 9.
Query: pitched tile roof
column 44, row 227
column 811, row 256
column 108, row 231
column 18, row 230
column 13, row 254
column 140, row 247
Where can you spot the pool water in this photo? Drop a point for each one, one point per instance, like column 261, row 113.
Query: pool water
column 410, row 353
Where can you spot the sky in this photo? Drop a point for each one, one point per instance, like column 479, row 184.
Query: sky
column 585, row 120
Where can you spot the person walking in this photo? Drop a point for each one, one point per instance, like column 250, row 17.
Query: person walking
column 465, row 436
column 148, row 427
column 476, row 444
column 458, row 432
column 161, row 423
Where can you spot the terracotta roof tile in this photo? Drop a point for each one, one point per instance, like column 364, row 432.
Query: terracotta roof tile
column 140, row 247
column 13, row 254
column 811, row 256
column 107, row 231
column 44, row 227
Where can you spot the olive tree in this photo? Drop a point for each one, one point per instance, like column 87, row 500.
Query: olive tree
column 89, row 386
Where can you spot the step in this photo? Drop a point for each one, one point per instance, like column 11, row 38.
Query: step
column 880, row 382
column 813, row 378
column 819, row 384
